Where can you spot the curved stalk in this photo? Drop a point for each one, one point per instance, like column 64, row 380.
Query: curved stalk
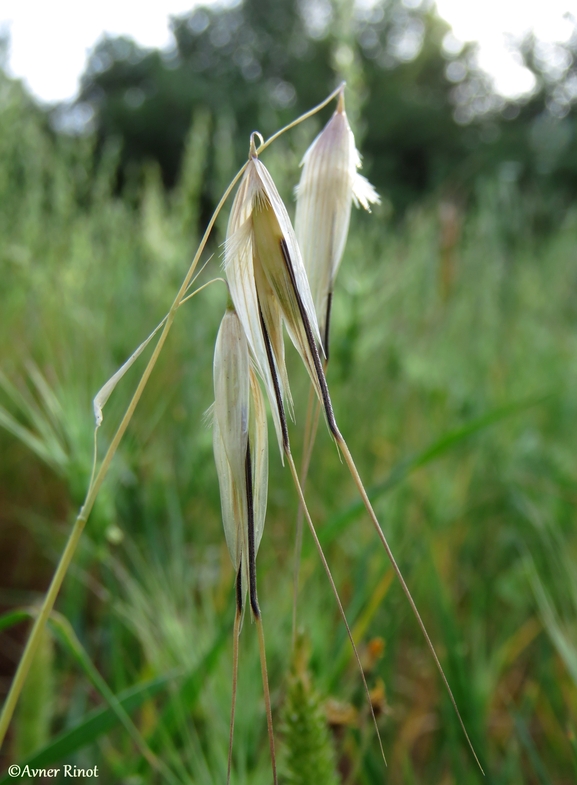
column 99, row 476
column 327, row 569
column 94, row 488
column 342, row 445
column 311, row 427
column 374, row 520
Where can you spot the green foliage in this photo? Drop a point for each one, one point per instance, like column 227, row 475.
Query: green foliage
column 36, row 704
column 37, row 701
column 431, row 121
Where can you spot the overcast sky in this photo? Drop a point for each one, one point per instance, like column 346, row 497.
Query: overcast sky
column 50, row 39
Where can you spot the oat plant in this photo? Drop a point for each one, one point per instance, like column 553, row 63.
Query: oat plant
column 101, row 468
column 269, row 288
column 269, row 292
column 329, row 184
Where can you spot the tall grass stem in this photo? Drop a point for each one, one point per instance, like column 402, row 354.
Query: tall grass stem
column 358, row 482
column 94, row 487
column 262, row 652
column 235, row 642
column 311, row 427
column 327, row 569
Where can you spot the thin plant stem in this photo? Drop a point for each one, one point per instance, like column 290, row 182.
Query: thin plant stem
column 366, row 501
column 342, row 445
column 235, row 640
column 200, row 288
column 360, row 752
column 337, row 91
column 94, row 488
column 311, row 427
column 262, row 652
column 327, row 569
column 62, row 624
column 254, row 605
column 96, row 483
column 38, row 627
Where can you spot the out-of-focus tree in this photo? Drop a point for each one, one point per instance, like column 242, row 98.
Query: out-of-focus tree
column 411, row 137
column 431, row 121
column 250, row 65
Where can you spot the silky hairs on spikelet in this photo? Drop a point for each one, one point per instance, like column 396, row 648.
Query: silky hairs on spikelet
column 268, row 285
column 239, row 437
column 329, row 184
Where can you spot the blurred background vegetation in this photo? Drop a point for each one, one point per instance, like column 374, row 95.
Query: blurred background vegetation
column 453, row 370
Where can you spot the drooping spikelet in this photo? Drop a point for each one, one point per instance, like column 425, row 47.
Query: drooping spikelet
column 240, row 447
column 269, row 286
column 329, row 184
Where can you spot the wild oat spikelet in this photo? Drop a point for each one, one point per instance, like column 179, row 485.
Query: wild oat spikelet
column 269, row 286
column 240, row 448
column 329, row 184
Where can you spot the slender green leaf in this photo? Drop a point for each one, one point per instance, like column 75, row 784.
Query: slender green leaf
column 95, row 724
column 101, row 721
column 531, row 750
column 339, row 522
column 12, row 618
column 191, row 687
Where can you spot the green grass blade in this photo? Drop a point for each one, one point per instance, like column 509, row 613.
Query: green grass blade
column 339, row 522
column 558, row 630
column 531, row 750
column 191, row 687
column 55, row 458
column 64, row 632
column 101, row 721
column 12, row 618
column 573, row 745
column 96, row 723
